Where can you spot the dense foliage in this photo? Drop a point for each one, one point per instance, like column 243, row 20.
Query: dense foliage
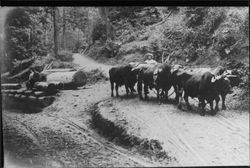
column 189, row 35
column 22, row 38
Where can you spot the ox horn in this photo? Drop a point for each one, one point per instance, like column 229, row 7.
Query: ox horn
column 134, row 64
column 231, row 76
column 133, row 69
column 226, row 73
column 215, row 78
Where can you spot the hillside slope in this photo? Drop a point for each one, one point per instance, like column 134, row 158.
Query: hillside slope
column 192, row 36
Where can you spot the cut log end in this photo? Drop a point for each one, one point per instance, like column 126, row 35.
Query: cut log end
column 79, row 78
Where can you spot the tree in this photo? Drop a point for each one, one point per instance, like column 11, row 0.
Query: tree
column 104, row 13
column 22, row 35
column 64, row 27
column 55, row 15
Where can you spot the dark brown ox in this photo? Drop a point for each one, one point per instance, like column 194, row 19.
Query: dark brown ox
column 153, row 76
column 204, row 86
column 229, row 80
column 122, row 75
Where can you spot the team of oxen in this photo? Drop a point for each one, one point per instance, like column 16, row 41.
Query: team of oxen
column 203, row 83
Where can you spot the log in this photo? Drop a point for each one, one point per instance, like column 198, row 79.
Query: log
column 72, row 78
column 23, row 97
column 56, row 84
column 41, row 86
column 48, row 86
column 11, row 86
column 39, row 93
column 32, row 98
column 20, row 74
column 21, row 91
column 17, row 96
column 5, row 74
column 27, row 92
column 46, row 100
column 13, row 91
column 49, row 71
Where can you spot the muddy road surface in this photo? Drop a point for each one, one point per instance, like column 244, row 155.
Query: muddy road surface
column 62, row 134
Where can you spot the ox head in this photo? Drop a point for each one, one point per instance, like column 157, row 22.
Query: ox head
column 161, row 73
column 176, row 67
column 156, row 75
column 224, row 81
column 234, row 79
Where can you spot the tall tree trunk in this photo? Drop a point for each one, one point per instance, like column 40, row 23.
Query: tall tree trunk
column 45, row 36
column 107, row 23
column 104, row 14
column 55, row 32
column 78, row 32
column 89, row 40
column 64, row 27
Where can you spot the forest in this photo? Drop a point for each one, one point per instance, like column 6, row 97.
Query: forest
column 56, row 83
column 35, row 36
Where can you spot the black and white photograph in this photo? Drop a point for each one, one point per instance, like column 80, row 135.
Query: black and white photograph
column 124, row 86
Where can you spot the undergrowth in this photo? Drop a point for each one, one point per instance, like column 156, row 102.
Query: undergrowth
column 118, row 134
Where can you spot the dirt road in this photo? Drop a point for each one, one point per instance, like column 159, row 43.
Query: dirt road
column 61, row 135
column 194, row 140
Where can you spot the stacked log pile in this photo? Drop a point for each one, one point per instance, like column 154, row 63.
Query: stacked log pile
column 30, row 97
column 41, row 93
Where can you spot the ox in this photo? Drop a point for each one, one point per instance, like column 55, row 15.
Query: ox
column 223, row 89
column 205, row 86
column 156, row 76
column 122, row 75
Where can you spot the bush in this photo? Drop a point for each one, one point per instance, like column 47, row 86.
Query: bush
column 77, row 47
column 195, row 16
column 95, row 75
column 41, row 61
column 99, row 31
column 65, row 56
column 231, row 36
column 20, row 41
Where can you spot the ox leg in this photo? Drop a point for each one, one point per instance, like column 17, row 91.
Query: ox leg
column 223, row 97
column 186, row 100
column 131, row 91
column 179, row 93
column 159, row 96
column 217, row 99
column 139, row 89
column 166, row 95
column 162, row 94
column 112, row 88
column 116, row 89
column 146, row 91
column 158, row 93
column 127, row 91
column 176, row 94
column 211, row 107
column 202, row 104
